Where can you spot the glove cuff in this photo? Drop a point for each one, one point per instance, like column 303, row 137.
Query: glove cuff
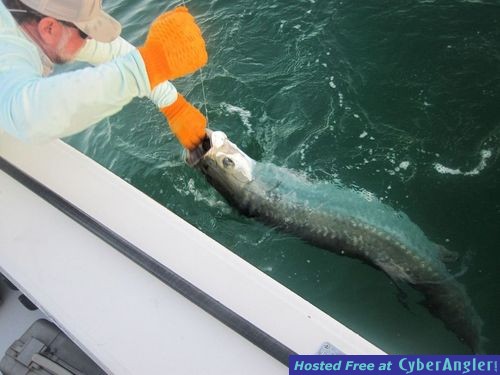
column 187, row 123
column 157, row 70
column 176, row 108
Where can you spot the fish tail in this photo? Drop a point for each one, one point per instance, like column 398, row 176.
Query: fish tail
column 450, row 303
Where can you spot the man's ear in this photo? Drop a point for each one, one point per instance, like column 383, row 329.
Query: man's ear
column 50, row 30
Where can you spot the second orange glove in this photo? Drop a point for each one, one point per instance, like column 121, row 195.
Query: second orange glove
column 187, row 123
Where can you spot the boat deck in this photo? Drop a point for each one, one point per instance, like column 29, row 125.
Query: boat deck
column 136, row 287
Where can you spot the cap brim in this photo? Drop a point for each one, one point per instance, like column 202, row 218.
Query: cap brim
column 102, row 28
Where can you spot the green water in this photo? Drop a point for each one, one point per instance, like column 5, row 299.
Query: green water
column 399, row 98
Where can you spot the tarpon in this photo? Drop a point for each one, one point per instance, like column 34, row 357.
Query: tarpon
column 344, row 221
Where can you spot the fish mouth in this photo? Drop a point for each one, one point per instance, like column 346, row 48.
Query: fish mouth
column 193, row 157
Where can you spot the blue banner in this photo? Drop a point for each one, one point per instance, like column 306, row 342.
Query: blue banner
column 394, row 364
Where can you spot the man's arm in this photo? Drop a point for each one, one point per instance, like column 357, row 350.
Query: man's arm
column 182, row 116
column 96, row 53
column 39, row 108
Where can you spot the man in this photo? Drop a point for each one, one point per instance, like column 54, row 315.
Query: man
column 35, row 34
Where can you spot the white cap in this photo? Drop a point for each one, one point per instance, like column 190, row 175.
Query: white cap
column 87, row 15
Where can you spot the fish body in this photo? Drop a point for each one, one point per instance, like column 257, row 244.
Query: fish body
column 343, row 221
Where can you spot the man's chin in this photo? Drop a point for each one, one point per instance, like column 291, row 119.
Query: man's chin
column 61, row 60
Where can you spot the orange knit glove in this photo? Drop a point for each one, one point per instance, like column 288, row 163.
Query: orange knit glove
column 186, row 122
column 174, row 46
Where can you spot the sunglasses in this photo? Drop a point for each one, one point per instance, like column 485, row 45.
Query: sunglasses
column 40, row 16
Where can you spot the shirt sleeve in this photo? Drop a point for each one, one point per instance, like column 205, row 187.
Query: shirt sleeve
column 96, row 53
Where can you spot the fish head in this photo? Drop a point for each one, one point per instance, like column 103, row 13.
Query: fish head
column 226, row 167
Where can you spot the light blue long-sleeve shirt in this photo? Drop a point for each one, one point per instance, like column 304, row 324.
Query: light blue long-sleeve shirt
column 38, row 108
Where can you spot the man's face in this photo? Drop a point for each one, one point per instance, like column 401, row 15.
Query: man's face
column 70, row 42
column 59, row 40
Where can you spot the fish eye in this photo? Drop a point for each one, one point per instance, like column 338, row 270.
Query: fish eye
column 227, row 162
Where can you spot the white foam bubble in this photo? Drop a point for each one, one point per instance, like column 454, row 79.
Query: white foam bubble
column 367, row 195
column 445, row 170
column 404, row 165
column 401, row 167
column 485, row 155
column 242, row 113
column 266, row 268
column 341, row 99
